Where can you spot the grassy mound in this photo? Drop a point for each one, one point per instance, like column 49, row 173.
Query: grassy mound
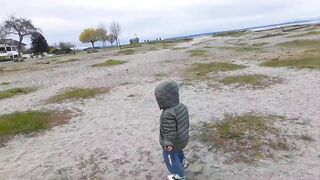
column 109, row 63
column 15, row 91
column 127, row 51
column 29, row 121
column 312, row 62
column 76, row 93
column 311, row 33
column 246, row 138
column 197, row 52
column 204, row 69
column 307, row 44
column 254, row 80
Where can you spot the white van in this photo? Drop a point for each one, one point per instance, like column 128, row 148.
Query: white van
column 7, row 51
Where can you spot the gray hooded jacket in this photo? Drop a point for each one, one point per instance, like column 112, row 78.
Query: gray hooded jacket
column 174, row 120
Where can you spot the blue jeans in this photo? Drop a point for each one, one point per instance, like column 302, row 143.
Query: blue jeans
column 173, row 160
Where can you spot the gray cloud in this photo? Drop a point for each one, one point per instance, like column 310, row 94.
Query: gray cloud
column 64, row 20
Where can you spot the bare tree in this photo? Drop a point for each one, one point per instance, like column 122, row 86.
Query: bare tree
column 111, row 39
column 115, row 31
column 18, row 26
column 102, row 34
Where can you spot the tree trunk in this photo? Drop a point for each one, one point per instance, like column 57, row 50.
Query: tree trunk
column 92, row 44
column 19, row 46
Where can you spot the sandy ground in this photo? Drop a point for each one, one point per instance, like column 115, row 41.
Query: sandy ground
column 115, row 135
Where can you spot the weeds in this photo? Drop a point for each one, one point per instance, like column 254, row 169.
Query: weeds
column 15, row 91
column 204, row 69
column 312, row 62
column 197, row 52
column 29, row 122
column 247, row 137
column 76, row 93
column 256, row 81
column 109, row 63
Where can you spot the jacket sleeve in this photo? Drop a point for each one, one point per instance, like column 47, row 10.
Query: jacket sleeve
column 169, row 129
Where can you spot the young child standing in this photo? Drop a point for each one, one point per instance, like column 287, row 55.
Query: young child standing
column 174, row 129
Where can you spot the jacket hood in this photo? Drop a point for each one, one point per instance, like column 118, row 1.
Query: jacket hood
column 167, row 94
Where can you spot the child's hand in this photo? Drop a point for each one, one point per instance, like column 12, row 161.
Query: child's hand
column 168, row 148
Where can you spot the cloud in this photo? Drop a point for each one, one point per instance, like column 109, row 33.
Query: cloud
column 64, row 20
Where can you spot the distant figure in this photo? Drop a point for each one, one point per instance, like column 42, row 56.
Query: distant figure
column 174, row 129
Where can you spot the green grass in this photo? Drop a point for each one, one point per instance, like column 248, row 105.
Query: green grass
column 205, row 68
column 269, row 35
column 131, row 46
column 127, row 51
column 311, row 33
column 258, row 81
column 76, row 94
column 307, row 44
column 179, row 48
column 197, row 53
column 15, row 92
column 4, row 83
column 246, row 137
column 69, row 60
column 230, row 34
column 236, row 48
column 29, row 122
column 312, row 62
column 110, row 62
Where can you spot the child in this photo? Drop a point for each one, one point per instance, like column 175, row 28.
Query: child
column 174, row 128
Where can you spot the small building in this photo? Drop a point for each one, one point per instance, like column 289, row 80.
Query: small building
column 134, row 41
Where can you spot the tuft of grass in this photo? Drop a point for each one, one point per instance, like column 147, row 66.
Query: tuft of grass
column 301, row 44
column 311, row 33
column 110, row 62
column 312, row 62
column 76, row 93
column 197, row 52
column 270, row 35
column 306, row 137
column 230, row 34
column 15, row 92
column 69, row 60
column 127, row 51
column 205, row 68
column 248, row 137
column 259, row 44
column 4, row 83
column 179, row 48
column 29, row 122
column 258, row 81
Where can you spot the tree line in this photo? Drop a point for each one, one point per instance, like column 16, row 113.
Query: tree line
column 92, row 35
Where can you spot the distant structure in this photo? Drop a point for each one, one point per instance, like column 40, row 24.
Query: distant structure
column 134, row 40
column 8, row 48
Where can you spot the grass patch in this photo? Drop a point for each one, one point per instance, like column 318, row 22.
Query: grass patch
column 127, row 51
column 131, row 46
column 301, row 44
column 311, row 33
column 76, row 94
column 260, row 44
column 236, row 48
column 230, row 34
column 248, row 137
column 109, row 63
column 29, row 122
column 204, row 69
column 312, row 62
column 69, row 60
column 197, row 53
column 257, row 81
column 15, row 92
column 306, row 137
column 269, row 35
column 4, row 83
column 179, row 48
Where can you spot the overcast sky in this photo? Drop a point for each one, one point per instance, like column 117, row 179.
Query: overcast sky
column 64, row 20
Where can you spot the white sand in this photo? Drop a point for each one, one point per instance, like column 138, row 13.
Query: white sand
column 116, row 137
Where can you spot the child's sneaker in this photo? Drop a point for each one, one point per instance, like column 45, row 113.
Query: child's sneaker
column 185, row 164
column 175, row 177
